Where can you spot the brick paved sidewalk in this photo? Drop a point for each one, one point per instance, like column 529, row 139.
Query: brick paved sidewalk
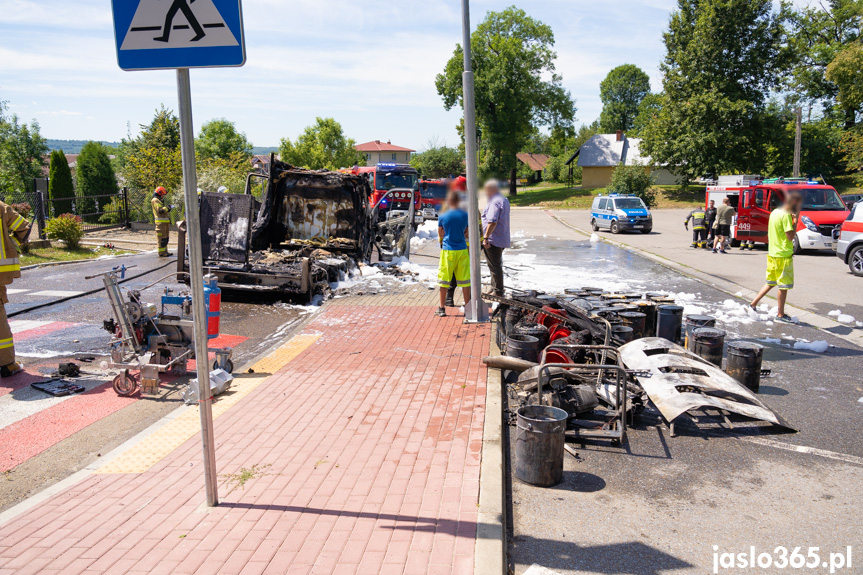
column 361, row 454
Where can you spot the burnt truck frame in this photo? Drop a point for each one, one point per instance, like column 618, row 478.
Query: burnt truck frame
column 309, row 227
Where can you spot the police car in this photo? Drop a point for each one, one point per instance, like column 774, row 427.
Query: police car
column 620, row 212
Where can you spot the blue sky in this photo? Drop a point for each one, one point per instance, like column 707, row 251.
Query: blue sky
column 370, row 64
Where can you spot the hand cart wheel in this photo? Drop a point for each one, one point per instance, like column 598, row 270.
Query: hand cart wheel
column 229, row 365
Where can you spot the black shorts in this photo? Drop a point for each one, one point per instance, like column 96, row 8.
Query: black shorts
column 723, row 230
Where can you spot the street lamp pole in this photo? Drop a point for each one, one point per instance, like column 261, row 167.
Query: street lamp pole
column 476, row 310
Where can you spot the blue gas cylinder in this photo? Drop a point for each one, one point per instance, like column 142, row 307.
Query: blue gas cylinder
column 213, row 303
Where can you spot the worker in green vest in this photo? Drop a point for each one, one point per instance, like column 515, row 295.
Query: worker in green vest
column 161, row 215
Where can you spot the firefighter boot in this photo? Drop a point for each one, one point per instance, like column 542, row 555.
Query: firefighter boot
column 11, row 369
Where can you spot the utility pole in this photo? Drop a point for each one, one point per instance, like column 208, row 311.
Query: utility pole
column 476, row 310
column 797, row 141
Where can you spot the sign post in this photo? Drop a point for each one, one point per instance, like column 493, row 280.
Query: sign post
column 183, row 34
column 476, row 310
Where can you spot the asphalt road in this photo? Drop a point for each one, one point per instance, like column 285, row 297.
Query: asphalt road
column 822, row 283
column 72, row 329
column 659, row 504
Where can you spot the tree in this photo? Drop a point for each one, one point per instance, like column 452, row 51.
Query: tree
column 648, row 109
column 633, row 179
column 517, row 88
column 21, row 151
column 60, row 188
column 722, row 57
column 219, row 138
column 846, row 72
column 438, row 162
column 321, row 146
column 95, row 177
column 621, row 93
column 229, row 172
column 819, row 32
column 554, row 170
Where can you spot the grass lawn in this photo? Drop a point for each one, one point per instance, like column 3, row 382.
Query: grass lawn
column 52, row 254
column 562, row 197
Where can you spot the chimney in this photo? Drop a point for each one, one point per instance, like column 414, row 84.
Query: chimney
column 619, row 134
column 389, row 142
column 377, row 141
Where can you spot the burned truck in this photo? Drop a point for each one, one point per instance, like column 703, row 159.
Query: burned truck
column 309, row 228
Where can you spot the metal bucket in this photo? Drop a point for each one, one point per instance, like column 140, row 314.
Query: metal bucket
column 622, row 332
column 522, row 346
column 539, row 438
column 744, row 363
column 648, row 308
column 635, row 320
column 668, row 321
column 691, row 323
column 707, row 343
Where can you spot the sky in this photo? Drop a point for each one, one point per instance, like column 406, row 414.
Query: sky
column 370, row 64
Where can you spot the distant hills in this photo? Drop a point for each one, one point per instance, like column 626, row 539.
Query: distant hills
column 74, row 146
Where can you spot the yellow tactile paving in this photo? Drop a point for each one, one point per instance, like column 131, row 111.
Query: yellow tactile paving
column 153, row 448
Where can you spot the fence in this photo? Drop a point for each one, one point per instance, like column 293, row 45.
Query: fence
column 141, row 208
column 99, row 212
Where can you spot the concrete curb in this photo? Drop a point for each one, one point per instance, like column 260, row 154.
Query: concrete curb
column 490, row 550
column 855, row 337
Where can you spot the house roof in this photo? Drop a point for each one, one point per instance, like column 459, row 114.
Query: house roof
column 378, row 146
column 536, row 162
column 605, row 150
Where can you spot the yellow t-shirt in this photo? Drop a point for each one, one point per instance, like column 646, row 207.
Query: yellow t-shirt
column 779, row 246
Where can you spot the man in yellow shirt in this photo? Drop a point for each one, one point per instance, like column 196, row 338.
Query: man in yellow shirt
column 780, row 251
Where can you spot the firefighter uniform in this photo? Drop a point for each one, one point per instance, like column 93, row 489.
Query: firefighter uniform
column 15, row 231
column 699, row 227
column 161, row 214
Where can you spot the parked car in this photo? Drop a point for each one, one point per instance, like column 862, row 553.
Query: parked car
column 618, row 212
column 851, row 199
column 849, row 243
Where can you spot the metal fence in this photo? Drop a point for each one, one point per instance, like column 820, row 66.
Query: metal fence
column 98, row 212
column 141, row 208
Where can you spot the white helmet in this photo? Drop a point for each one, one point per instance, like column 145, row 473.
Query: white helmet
column 222, row 190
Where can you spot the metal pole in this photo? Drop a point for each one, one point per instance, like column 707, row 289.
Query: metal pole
column 196, row 272
column 476, row 310
column 797, row 141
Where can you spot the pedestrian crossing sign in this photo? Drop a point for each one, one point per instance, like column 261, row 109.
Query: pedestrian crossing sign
column 162, row 34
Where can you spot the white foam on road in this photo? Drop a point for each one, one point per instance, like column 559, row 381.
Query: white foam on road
column 425, row 233
column 819, row 346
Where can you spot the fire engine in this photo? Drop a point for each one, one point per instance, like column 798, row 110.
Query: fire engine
column 402, row 178
column 754, row 198
column 433, row 193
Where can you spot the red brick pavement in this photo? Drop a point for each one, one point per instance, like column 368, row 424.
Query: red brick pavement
column 368, row 444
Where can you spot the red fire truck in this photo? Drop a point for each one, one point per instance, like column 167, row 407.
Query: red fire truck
column 754, row 199
column 402, row 178
column 433, row 194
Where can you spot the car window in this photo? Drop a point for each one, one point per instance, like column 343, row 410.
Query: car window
column 774, row 201
column 603, row 204
column 629, row 204
column 759, row 198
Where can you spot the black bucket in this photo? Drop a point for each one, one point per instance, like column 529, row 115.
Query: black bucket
column 707, row 343
column 691, row 323
column 522, row 346
column 539, row 439
column 648, row 308
column 635, row 320
column 668, row 321
column 744, row 363
column 622, row 332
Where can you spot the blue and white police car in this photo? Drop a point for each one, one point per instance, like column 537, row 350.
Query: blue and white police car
column 619, row 212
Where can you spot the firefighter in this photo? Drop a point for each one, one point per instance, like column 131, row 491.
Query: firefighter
column 699, row 227
column 710, row 216
column 160, row 214
column 15, row 231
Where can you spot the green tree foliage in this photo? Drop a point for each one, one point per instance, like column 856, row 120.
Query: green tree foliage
column 820, row 31
column 820, row 143
column 229, row 172
column 648, row 109
column 846, row 72
column 555, row 171
column 633, row 179
column 60, row 188
column 621, row 92
column 219, row 138
column 66, row 227
column 321, row 146
column 21, row 151
column 95, row 177
column 439, row 162
column 516, row 85
column 722, row 58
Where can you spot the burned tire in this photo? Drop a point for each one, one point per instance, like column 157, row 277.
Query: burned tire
column 536, row 330
column 615, row 227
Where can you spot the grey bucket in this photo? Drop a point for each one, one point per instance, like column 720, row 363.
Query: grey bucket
column 539, row 438
column 522, row 346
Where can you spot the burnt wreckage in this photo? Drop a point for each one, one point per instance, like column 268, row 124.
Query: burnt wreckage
column 309, row 228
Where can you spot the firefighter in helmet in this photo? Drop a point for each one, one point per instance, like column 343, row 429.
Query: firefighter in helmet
column 161, row 213
column 699, row 227
column 15, row 231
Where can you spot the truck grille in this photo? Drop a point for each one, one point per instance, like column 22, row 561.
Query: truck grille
column 826, row 230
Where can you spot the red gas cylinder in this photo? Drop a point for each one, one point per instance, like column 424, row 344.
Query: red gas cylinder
column 213, row 303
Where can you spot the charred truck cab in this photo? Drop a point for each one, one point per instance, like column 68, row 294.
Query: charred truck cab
column 308, row 229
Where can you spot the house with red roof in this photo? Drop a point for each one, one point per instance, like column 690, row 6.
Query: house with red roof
column 377, row 152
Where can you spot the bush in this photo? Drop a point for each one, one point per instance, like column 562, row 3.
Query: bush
column 555, row 170
column 66, row 227
column 635, row 180
column 24, row 209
